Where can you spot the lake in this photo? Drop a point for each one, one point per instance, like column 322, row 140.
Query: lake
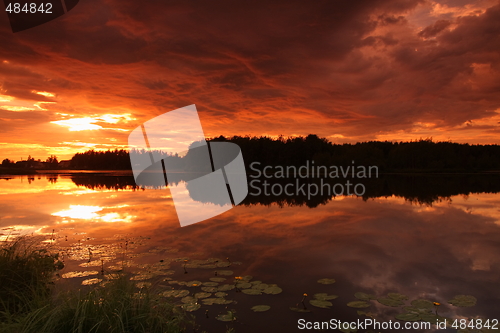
column 425, row 237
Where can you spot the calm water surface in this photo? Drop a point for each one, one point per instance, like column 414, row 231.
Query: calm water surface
column 377, row 246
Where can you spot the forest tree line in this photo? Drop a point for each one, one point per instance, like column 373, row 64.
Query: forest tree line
column 415, row 156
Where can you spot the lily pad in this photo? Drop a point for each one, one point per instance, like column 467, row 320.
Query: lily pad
column 215, row 300
column 220, row 294
column 364, row 296
column 247, row 278
column 190, row 307
column 251, row 291
column 408, row 316
column 463, row 301
column 229, row 316
column 296, row 309
column 202, row 295
column 175, row 293
column 225, row 287
column 398, row 297
column 261, row 286
column 243, row 285
column 193, row 283
column 390, row 302
column 189, row 299
column 260, row 308
column 210, row 284
column 325, row 296
column 223, row 264
column 422, row 304
column 209, row 289
column 358, row 304
column 217, row 279
column 432, row 318
column 326, row 281
column 224, row 272
column 320, row 303
column 253, row 283
column 272, row 290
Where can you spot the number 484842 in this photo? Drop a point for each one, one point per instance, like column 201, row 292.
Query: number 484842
column 16, row 8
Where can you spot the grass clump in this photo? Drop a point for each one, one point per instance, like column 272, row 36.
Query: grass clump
column 116, row 306
column 28, row 302
column 26, row 275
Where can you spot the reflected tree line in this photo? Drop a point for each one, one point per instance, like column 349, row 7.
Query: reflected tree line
column 416, row 188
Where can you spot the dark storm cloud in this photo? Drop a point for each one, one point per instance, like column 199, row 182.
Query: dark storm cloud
column 359, row 69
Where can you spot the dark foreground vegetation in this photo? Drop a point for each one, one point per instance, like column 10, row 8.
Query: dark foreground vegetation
column 416, row 156
column 29, row 302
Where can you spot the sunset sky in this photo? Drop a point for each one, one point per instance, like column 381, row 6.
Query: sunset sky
column 346, row 70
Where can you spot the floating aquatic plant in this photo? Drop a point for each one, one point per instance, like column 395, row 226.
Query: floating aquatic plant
column 387, row 301
column 229, row 316
column 325, row 296
column 365, row 297
column 272, row 290
column 358, row 304
column 326, row 281
column 463, row 301
column 252, row 291
column 320, row 303
column 260, row 308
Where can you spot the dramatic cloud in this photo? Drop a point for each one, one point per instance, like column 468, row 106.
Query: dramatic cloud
column 349, row 71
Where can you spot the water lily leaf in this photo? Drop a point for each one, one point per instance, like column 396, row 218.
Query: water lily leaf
column 225, row 287
column 175, row 293
column 189, row 299
column 364, row 296
column 255, row 282
column 223, row 264
column 220, row 300
column 202, row 295
column 326, row 281
column 220, row 294
column 173, row 282
column 209, row 289
column 320, row 303
column 364, row 313
column 408, row 316
column 217, row 279
column 243, row 285
column 260, row 308
column 293, row 308
column 224, row 272
column 422, row 304
column 358, row 304
column 190, row 307
column 90, row 281
column 193, row 283
column 261, row 286
column 432, row 318
column 272, row 290
column 247, row 278
column 324, row 296
column 397, row 296
column 210, row 284
column 463, row 301
column 251, row 291
column 412, row 309
column 209, row 266
column 229, row 316
column 390, row 302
